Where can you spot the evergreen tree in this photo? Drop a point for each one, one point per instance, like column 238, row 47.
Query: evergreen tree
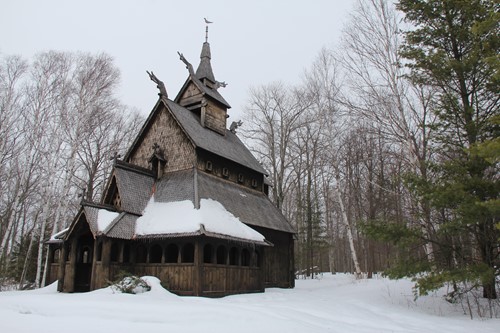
column 453, row 46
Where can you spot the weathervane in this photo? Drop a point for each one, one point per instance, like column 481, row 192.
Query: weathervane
column 206, row 28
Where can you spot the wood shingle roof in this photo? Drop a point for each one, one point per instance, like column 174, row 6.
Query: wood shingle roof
column 228, row 146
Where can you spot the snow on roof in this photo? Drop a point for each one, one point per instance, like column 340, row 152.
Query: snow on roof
column 104, row 218
column 57, row 235
column 181, row 217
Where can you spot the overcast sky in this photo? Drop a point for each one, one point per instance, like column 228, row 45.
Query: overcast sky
column 252, row 42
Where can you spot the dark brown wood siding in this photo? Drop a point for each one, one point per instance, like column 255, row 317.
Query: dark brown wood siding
column 278, row 261
column 215, row 165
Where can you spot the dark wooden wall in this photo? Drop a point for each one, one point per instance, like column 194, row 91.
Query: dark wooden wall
column 197, row 277
column 278, row 262
column 234, row 170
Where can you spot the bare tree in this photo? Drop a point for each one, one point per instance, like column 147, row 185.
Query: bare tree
column 60, row 122
column 272, row 115
column 380, row 93
column 12, row 71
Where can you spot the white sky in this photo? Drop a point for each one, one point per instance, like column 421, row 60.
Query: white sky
column 252, row 42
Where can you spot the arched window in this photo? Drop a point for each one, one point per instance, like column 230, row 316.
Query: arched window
column 171, row 253
column 155, row 253
column 85, row 259
column 141, row 253
column 245, row 258
column 56, row 255
column 221, row 255
column 115, row 252
column 99, row 251
column 126, row 253
column 241, row 178
column 233, row 256
column 188, row 253
column 208, row 254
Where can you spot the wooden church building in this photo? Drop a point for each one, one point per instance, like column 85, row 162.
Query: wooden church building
column 188, row 204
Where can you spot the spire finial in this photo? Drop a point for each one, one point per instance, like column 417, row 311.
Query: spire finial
column 206, row 28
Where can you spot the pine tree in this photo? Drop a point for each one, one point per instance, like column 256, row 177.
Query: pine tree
column 454, row 47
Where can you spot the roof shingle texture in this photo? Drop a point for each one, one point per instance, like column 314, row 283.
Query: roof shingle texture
column 135, row 189
column 228, row 146
column 251, row 207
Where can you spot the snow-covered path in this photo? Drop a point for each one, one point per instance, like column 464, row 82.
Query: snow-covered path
column 331, row 304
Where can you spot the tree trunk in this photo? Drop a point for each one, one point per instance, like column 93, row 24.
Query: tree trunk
column 26, row 260
column 348, row 229
column 45, row 216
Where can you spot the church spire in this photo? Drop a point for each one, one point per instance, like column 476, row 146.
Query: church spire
column 204, row 70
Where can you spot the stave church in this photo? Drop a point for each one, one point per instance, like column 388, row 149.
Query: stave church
column 188, row 203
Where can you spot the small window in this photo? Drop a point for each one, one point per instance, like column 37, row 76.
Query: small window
column 233, row 256
column 240, row 178
column 115, row 252
column 208, row 166
column 221, row 255
column 171, row 253
column 254, row 183
column 141, row 254
column 208, row 254
column 188, row 253
column 155, row 254
column 225, row 172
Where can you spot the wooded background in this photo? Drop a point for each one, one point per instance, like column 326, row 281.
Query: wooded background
column 386, row 157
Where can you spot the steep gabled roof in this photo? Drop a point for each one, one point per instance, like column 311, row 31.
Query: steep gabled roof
column 204, row 72
column 228, row 146
column 205, row 90
column 134, row 186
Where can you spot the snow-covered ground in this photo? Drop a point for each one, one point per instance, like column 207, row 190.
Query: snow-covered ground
column 337, row 303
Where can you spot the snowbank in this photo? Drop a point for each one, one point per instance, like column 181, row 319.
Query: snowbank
column 337, row 303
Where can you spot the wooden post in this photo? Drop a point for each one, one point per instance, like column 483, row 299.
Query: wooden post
column 93, row 275
column 291, row 263
column 198, row 267
column 62, row 268
column 69, row 277
column 105, row 262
